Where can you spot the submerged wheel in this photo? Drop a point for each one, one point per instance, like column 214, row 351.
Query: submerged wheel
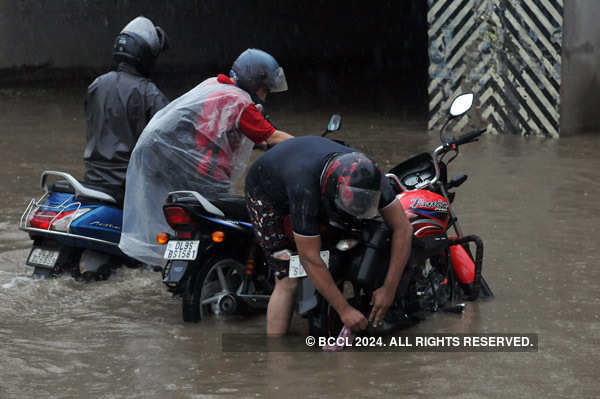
column 212, row 289
column 218, row 288
column 103, row 273
column 190, row 310
column 324, row 321
column 40, row 273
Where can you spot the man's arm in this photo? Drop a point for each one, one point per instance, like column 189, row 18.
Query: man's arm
column 277, row 137
column 309, row 252
column 254, row 126
column 383, row 297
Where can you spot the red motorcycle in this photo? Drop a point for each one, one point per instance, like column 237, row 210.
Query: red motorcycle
column 441, row 270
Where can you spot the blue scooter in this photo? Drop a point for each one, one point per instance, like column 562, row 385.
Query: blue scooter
column 75, row 227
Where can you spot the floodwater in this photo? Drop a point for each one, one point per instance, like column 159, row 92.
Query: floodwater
column 533, row 201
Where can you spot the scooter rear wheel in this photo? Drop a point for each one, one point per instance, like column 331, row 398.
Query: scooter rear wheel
column 40, row 273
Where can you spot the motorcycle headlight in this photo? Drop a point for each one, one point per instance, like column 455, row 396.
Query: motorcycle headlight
column 346, row 245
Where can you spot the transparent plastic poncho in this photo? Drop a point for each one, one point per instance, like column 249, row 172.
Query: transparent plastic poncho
column 191, row 144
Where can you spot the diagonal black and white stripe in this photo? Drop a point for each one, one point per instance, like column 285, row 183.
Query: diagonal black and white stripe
column 508, row 52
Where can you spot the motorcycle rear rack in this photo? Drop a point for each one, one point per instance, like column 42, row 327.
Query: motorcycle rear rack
column 34, row 205
column 37, row 204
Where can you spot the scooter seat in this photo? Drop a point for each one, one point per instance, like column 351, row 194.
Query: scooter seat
column 63, row 186
column 117, row 192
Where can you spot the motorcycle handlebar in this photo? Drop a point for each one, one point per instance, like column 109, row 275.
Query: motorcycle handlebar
column 466, row 138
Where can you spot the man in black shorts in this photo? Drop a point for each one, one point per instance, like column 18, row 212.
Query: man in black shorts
column 311, row 179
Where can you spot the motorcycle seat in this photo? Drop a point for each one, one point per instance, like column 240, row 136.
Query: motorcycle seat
column 234, row 207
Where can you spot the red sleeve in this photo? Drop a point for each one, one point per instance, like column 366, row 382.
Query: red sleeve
column 254, row 126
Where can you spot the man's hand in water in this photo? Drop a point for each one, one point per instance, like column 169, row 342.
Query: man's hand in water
column 353, row 319
column 382, row 299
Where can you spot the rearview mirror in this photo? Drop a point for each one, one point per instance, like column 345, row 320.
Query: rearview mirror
column 334, row 123
column 461, row 104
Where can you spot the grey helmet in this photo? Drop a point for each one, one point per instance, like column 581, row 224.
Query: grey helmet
column 139, row 43
column 255, row 68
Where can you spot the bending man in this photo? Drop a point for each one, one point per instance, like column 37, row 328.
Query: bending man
column 314, row 180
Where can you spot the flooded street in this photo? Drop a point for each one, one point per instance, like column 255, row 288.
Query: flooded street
column 533, row 201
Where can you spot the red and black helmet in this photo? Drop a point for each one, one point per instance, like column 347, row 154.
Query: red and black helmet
column 352, row 183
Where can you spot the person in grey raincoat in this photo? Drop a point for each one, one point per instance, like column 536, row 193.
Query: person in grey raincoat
column 120, row 103
column 201, row 141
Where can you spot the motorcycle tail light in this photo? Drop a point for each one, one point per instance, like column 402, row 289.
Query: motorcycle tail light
column 63, row 222
column 52, row 220
column 177, row 216
column 346, row 245
column 41, row 219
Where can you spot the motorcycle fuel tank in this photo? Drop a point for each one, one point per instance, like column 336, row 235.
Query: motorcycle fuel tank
column 426, row 211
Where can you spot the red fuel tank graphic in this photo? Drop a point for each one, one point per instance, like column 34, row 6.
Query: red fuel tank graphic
column 426, row 211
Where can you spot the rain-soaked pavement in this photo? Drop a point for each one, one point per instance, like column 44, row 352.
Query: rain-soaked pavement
column 534, row 201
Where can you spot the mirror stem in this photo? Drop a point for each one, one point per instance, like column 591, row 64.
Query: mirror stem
column 442, row 137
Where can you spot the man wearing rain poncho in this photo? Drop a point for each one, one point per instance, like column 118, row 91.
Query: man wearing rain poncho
column 201, row 141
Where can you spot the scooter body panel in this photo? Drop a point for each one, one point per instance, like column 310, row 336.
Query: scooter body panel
column 103, row 222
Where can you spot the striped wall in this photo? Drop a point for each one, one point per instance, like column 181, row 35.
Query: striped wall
column 508, row 52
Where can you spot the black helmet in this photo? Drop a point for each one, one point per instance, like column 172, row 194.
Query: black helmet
column 351, row 182
column 254, row 68
column 139, row 43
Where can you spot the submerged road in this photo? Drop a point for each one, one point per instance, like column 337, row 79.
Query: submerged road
column 534, row 202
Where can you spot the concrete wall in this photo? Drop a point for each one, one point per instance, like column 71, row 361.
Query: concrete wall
column 507, row 52
column 580, row 89
column 325, row 46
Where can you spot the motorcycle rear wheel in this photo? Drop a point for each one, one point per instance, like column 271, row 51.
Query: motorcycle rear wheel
column 324, row 321
column 211, row 288
column 190, row 310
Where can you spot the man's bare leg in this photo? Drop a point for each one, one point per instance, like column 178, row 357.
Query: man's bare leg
column 279, row 311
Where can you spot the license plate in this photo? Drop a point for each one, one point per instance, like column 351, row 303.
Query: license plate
column 182, row 250
column 43, row 257
column 296, row 269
